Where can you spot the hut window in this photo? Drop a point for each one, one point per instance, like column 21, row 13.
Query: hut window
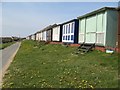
column 66, row 29
column 63, row 37
column 72, row 37
column 72, row 28
column 69, row 37
column 69, row 28
column 66, row 37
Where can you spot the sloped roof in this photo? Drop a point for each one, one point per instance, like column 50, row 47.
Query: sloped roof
column 47, row 28
column 97, row 11
column 69, row 21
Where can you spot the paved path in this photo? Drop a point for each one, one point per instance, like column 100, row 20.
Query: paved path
column 6, row 57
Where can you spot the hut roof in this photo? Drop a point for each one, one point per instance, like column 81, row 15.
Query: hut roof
column 96, row 11
column 69, row 21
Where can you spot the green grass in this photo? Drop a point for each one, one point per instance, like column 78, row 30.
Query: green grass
column 4, row 45
column 56, row 66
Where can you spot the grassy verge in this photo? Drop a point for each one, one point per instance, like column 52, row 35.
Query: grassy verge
column 4, row 45
column 56, row 66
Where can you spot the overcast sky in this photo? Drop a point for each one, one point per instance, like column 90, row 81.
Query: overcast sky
column 25, row 18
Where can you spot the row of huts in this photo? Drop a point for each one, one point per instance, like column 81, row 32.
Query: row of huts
column 101, row 27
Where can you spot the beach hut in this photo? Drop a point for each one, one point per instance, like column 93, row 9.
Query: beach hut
column 57, row 33
column 43, row 35
column 70, row 31
column 33, row 37
column 27, row 38
column 30, row 37
column 38, row 36
column 99, row 27
column 47, row 33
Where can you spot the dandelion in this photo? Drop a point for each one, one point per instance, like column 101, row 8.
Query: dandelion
column 75, row 78
column 3, row 86
column 85, row 84
column 91, row 86
column 40, row 81
column 42, row 85
column 44, row 63
column 60, row 80
column 65, row 60
column 23, row 84
column 38, row 76
column 34, row 85
column 38, row 72
column 43, row 80
column 79, row 86
column 68, row 84
column 77, row 72
column 11, row 83
column 68, row 72
column 31, row 77
column 61, row 77
column 83, row 80
column 65, row 69
column 60, row 83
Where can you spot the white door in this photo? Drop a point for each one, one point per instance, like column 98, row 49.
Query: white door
column 91, row 29
column 81, row 31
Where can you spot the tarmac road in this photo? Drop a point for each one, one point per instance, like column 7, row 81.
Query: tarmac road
column 6, row 57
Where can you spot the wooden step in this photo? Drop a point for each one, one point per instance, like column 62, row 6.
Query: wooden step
column 84, row 48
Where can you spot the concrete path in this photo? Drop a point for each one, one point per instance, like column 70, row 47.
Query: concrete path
column 6, row 57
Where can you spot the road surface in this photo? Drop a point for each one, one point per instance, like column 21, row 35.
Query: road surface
column 6, row 57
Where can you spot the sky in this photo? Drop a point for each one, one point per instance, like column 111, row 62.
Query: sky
column 24, row 18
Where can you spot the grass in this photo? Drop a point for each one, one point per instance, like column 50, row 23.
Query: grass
column 56, row 66
column 4, row 45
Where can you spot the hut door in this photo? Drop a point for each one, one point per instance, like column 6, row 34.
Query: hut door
column 82, row 31
column 90, row 29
